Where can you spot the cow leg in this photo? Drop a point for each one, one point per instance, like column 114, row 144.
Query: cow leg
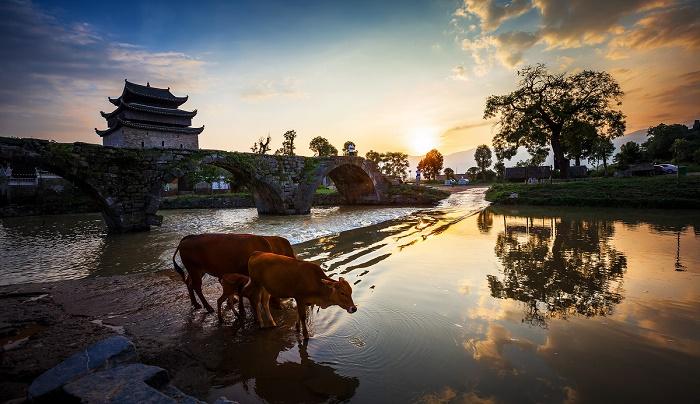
column 266, row 304
column 241, row 308
column 301, row 311
column 197, row 286
column 188, row 283
column 254, row 302
column 219, row 302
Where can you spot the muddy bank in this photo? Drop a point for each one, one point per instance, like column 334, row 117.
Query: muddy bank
column 42, row 324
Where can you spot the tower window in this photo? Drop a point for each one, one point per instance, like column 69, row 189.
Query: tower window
column 162, row 143
column 181, row 145
column 142, row 145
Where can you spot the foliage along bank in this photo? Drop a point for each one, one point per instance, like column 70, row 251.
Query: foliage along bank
column 664, row 192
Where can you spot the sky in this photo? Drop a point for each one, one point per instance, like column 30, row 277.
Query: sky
column 389, row 75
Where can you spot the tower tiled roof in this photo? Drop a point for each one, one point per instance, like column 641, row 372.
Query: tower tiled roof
column 148, row 92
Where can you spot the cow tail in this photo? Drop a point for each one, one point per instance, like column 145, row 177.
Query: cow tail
column 177, row 267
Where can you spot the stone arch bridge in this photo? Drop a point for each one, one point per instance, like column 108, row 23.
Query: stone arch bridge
column 127, row 183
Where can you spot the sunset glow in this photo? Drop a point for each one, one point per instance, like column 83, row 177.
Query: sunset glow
column 361, row 71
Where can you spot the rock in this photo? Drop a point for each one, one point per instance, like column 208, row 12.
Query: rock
column 224, row 400
column 135, row 383
column 101, row 355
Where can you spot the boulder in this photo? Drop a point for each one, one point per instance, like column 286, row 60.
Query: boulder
column 101, row 355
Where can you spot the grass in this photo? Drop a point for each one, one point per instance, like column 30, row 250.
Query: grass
column 207, row 196
column 412, row 190
column 325, row 191
column 650, row 192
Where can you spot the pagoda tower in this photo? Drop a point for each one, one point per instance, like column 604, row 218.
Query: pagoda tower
column 149, row 117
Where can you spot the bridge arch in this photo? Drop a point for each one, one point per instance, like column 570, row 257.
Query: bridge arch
column 66, row 161
column 357, row 180
column 245, row 168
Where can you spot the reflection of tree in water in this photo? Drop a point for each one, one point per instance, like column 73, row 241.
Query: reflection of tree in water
column 559, row 268
column 485, row 220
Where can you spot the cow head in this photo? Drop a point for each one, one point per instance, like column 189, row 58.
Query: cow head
column 341, row 294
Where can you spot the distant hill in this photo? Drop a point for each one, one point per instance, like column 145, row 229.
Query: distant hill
column 460, row 161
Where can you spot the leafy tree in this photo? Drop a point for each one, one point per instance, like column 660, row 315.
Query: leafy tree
column 374, row 157
column 208, row 173
column 261, row 146
column 322, row 147
column 536, row 113
column 482, row 155
column 602, row 150
column 431, row 164
column 449, row 173
column 579, row 139
column 660, row 138
column 288, row 147
column 630, row 153
column 394, row 163
column 681, row 150
column 500, row 168
column 346, row 148
column 472, row 173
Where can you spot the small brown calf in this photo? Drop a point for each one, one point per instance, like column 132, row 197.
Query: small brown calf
column 234, row 289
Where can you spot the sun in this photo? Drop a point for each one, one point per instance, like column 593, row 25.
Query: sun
column 423, row 139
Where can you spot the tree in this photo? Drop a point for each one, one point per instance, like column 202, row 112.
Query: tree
column 349, row 148
column 630, row 153
column 449, row 173
column 322, row 147
column 500, row 168
column 660, row 138
column 579, row 138
column 681, row 151
column 482, row 155
column 535, row 114
column 431, row 164
column 261, row 146
column 374, row 157
column 288, row 147
column 394, row 163
column 602, row 150
column 472, row 173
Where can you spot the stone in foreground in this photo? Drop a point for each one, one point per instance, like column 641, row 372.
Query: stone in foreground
column 135, row 383
column 101, row 355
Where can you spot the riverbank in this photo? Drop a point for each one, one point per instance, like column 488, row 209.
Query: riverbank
column 663, row 192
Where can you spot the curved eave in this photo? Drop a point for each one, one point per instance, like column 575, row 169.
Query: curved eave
column 149, row 109
column 158, row 128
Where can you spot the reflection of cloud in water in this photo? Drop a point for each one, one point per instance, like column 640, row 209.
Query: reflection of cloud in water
column 449, row 395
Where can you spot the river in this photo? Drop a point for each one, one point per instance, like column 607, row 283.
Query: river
column 459, row 303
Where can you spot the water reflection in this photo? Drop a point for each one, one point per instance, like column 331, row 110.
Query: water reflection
column 558, row 267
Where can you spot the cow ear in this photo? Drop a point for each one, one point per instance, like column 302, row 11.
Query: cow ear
column 341, row 279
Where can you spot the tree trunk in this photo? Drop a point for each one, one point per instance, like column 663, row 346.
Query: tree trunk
column 560, row 162
column 578, row 160
column 605, row 166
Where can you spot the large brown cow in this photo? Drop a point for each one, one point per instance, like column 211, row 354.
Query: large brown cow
column 217, row 254
column 281, row 276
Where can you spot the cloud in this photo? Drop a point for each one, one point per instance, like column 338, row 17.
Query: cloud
column 264, row 89
column 491, row 13
column 618, row 25
column 54, row 72
column 511, row 45
column 677, row 26
column 459, row 73
column 682, row 97
column 576, row 23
